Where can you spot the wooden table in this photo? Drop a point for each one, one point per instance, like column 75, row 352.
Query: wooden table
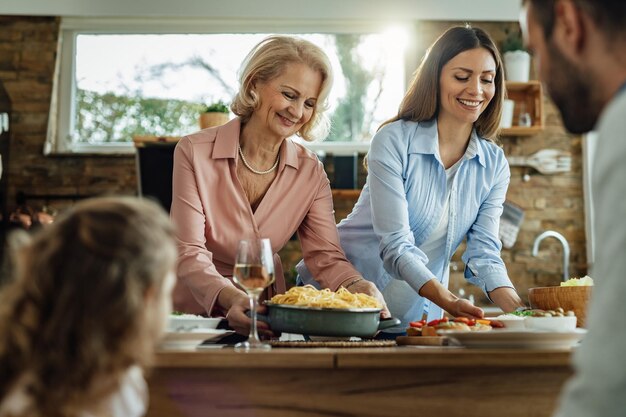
column 397, row 381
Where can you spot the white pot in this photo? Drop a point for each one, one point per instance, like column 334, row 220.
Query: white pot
column 508, row 106
column 517, row 65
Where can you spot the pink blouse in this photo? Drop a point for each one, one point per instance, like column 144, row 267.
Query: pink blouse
column 211, row 213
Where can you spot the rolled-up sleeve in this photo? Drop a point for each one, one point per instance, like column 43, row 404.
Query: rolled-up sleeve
column 323, row 255
column 484, row 265
column 402, row 259
column 196, row 270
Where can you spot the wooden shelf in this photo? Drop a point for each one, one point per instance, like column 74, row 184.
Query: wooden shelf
column 528, row 96
column 521, row 131
column 345, row 193
column 143, row 140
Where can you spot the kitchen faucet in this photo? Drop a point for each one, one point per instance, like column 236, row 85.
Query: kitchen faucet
column 560, row 238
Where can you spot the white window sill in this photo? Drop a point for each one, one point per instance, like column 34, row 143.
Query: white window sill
column 333, row 148
column 338, row 148
column 125, row 149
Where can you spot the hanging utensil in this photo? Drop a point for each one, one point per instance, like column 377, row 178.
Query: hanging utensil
column 545, row 161
column 4, row 122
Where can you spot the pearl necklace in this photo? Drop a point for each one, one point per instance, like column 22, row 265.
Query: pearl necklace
column 267, row 171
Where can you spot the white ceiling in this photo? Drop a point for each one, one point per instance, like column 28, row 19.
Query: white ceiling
column 390, row 10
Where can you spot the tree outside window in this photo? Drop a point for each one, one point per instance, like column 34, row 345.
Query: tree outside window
column 158, row 84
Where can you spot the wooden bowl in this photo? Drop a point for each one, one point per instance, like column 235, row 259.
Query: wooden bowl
column 568, row 298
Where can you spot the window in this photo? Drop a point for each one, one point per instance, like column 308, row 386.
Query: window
column 120, row 79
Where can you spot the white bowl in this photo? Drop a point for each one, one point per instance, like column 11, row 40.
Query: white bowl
column 554, row 324
column 511, row 322
column 190, row 322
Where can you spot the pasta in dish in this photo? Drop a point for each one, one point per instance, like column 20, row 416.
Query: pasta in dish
column 309, row 296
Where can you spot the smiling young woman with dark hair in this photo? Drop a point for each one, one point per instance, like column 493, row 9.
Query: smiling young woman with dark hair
column 436, row 177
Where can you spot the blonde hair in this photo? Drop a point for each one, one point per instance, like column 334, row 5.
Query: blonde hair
column 421, row 102
column 268, row 60
column 73, row 318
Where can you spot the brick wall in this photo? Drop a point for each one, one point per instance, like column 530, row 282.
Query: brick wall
column 28, row 48
column 27, row 57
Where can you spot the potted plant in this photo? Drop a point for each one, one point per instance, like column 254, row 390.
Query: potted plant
column 214, row 114
column 516, row 58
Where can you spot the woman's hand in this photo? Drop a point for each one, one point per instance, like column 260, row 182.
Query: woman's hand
column 367, row 287
column 464, row 308
column 237, row 303
column 506, row 298
column 455, row 306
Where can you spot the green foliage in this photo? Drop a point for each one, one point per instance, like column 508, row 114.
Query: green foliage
column 350, row 120
column 219, row 107
column 110, row 118
column 513, row 41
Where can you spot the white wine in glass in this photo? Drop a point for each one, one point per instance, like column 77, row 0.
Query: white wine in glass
column 253, row 271
column 253, row 278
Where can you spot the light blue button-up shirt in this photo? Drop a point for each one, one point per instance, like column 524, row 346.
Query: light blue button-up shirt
column 402, row 203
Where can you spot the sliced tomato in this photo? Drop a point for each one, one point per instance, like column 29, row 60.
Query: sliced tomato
column 497, row 324
column 417, row 324
column 437, row 321
column 462, row 320
column 471, row 322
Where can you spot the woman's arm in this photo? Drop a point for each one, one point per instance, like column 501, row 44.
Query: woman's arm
column 322, row 251
column 484, row 266
column 401, row 258
column 455, row 306
column 506, row 298
column 195, row 263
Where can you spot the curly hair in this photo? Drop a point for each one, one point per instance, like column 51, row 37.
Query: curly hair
column 268, row 60
column 74, row 319
column 421, row 101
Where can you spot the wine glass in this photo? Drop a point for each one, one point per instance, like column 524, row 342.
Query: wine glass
column 254, row 271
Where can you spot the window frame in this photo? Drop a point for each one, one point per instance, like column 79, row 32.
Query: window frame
column 71, row 27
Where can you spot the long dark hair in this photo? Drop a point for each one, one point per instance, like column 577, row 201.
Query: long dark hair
column 421, row 102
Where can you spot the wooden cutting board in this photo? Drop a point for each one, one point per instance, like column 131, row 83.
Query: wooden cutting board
column 422, row 340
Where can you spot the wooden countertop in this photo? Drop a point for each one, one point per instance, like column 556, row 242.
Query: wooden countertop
column 365, row 358
column 358, row 382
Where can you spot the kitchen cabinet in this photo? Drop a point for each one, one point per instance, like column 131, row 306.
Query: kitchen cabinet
column 528, row 97
column 363, row 382
column 347, row 194
column 155, row 162
column 5, row 116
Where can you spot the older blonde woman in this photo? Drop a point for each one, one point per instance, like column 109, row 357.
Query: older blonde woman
column 248, row 179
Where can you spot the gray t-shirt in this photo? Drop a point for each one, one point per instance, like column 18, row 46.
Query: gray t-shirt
column 599, row 386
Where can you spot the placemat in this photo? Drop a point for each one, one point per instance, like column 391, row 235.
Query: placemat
column 332, row 343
